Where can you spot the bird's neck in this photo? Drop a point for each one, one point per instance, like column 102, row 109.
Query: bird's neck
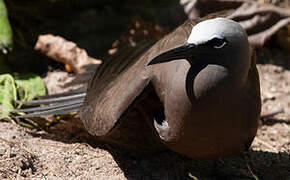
column 210, row 81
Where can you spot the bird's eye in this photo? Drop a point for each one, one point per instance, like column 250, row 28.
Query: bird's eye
column 217, row 43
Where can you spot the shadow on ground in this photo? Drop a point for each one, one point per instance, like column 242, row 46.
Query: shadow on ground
column 170, row 165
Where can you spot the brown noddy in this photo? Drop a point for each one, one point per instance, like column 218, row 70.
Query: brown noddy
column 196, row 91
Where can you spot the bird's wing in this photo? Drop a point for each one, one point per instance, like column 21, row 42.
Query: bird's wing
column 115, row 86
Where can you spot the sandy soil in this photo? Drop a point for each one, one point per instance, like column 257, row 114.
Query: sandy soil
column 66, row 151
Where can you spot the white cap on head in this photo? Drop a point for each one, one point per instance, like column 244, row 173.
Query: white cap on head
column 218, row 27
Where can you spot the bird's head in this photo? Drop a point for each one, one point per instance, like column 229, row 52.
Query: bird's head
column 218, row 41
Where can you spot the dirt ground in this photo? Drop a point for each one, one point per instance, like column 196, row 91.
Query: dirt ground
column 66, row 151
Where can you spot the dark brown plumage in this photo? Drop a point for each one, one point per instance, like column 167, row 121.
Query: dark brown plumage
column 124, row 107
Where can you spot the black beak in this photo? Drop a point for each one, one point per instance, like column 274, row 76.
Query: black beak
column 183, row 52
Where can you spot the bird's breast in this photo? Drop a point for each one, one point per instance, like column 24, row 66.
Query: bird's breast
column 215, row 122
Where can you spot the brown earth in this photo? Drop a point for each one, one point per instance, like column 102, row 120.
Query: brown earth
column 66, row 151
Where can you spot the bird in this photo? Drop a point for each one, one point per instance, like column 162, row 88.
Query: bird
column 196, row 92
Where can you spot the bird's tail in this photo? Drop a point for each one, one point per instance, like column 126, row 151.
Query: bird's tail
column 56, row 104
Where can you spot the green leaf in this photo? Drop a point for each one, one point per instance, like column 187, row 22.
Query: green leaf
column 29, row 86
column 20, row 87
column 6, row 35
column 8, row 94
